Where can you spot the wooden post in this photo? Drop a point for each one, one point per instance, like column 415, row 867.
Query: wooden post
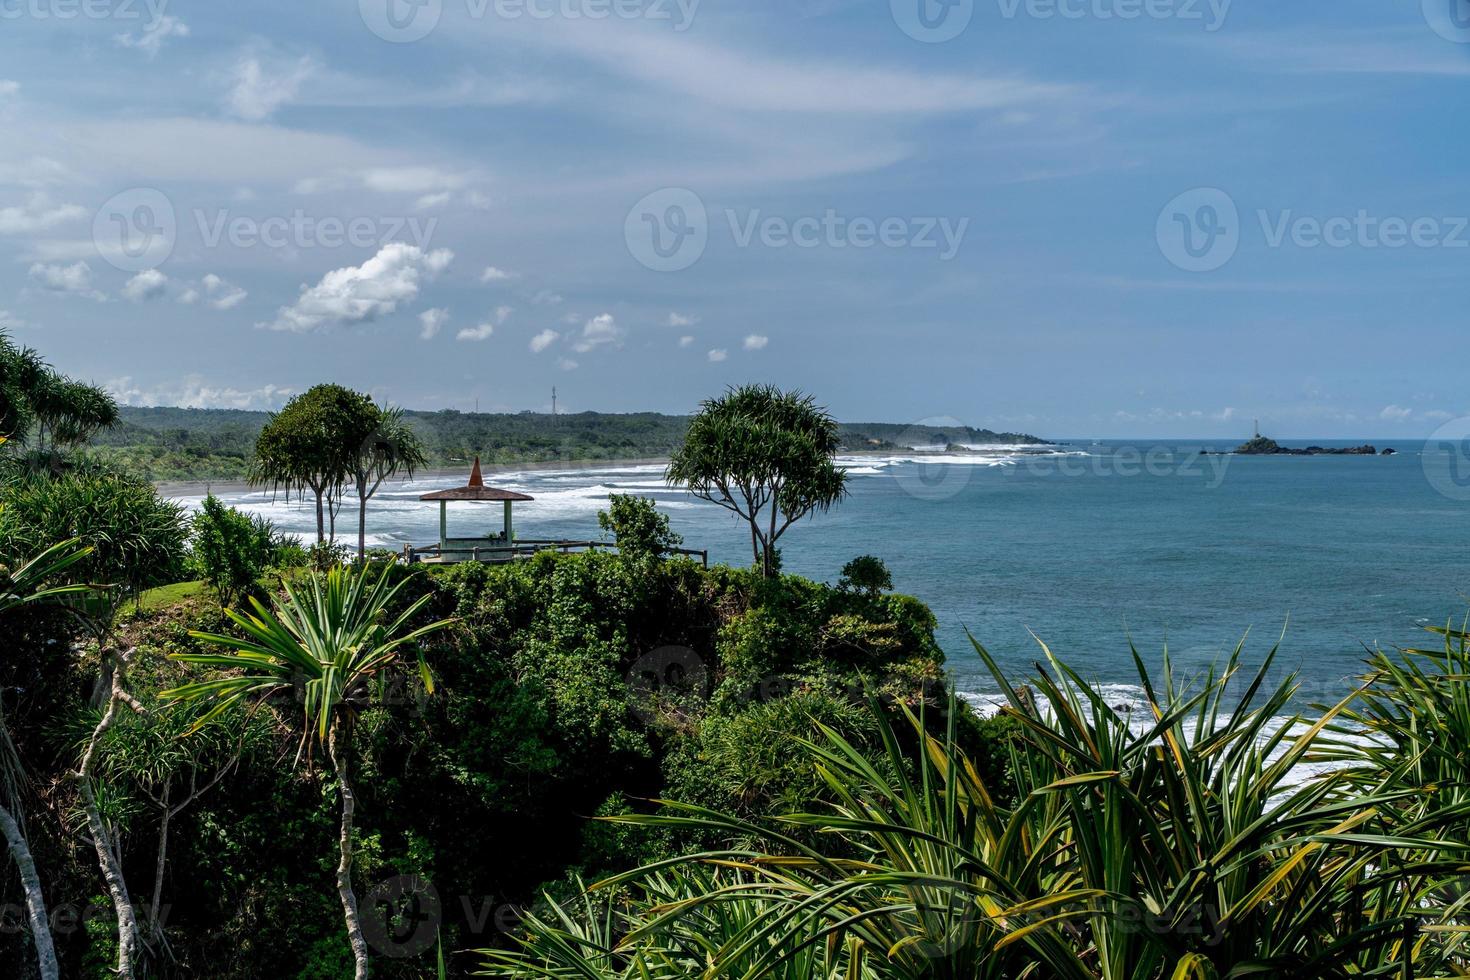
column 508, row 530
column 443, row 526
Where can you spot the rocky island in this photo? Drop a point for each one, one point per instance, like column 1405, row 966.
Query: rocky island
column 1262, row 446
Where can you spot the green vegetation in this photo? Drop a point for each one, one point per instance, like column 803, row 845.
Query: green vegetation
column 766, row 456
column 637, row 527
column 230, row 550
column 217, row 444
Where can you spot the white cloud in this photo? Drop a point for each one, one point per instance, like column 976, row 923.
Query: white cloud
column 686, row 341
column 223, row 295
column 431, row 201
column 543, row 340
column 1395, row 413
column 73, row 279
column 258, row 90
column 598, row 332
column 547, row 298
column 680, row 320
column 482, row 332
column 567, row 364
column 492, row 274
column 37, row 214
column 432, row 321
column 717, row 355
column 195, row 392
column 756, row 342
column 147, row 285
column 9, row 321
column 360, row 294
column 150, row 39
column 8, row 88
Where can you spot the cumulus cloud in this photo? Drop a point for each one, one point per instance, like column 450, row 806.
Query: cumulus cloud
column 686, row 341
column 431, row 322
column 717, row 355
column 257, row 90
column 74, row 279
column 492, row 274
column 1396, row 413
column 195, row 392
column 147, row 285
column 567, row 364
column 150, row 40
column 543, row 340
column 38, row 213
column 360, row 294
column 223, row 295
column 8, row 87
column 486, row 329
column 680, row 320
column 598, row 332
column 756, row 342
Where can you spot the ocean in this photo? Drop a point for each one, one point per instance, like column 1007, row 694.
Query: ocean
column 1086, row 546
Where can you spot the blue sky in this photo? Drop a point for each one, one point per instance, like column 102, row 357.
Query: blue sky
column 1074, row 217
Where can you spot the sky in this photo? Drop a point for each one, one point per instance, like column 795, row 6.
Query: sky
column 1105, row 218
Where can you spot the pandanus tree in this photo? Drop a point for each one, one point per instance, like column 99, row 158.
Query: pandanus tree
column 327, row 645
column 391, row 449
column 765, row 455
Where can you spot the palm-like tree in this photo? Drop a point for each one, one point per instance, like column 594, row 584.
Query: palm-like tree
column 392, row 450
column 327, row 644
column 27, row 584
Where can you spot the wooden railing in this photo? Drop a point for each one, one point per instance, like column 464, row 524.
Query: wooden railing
column 522, row 550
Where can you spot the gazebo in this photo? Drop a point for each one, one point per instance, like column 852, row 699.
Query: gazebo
column 467, row 549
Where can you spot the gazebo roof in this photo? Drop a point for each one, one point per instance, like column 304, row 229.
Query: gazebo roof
column 476, row 490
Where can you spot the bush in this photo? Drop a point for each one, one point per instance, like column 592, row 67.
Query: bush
column 641, row 531
column 867, row 575
column 139, row 538
column 231, row 550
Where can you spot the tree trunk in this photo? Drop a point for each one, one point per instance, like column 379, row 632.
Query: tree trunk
column 155, row 927
column 361, row 526
column 321, row 524
column 112, row 873
column 339, row 755
column 30, row 881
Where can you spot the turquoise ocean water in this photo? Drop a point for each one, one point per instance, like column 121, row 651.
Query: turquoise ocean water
column 1084, row 545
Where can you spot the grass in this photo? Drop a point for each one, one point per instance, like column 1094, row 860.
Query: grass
column 171, row 595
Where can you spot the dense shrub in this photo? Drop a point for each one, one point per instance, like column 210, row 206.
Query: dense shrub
column 639, row 529
column 866, row 574
column 230, row 550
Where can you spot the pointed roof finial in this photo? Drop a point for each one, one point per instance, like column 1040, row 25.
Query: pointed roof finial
column 476, row 480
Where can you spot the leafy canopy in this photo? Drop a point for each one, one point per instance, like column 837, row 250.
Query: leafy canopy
column 765, row 454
